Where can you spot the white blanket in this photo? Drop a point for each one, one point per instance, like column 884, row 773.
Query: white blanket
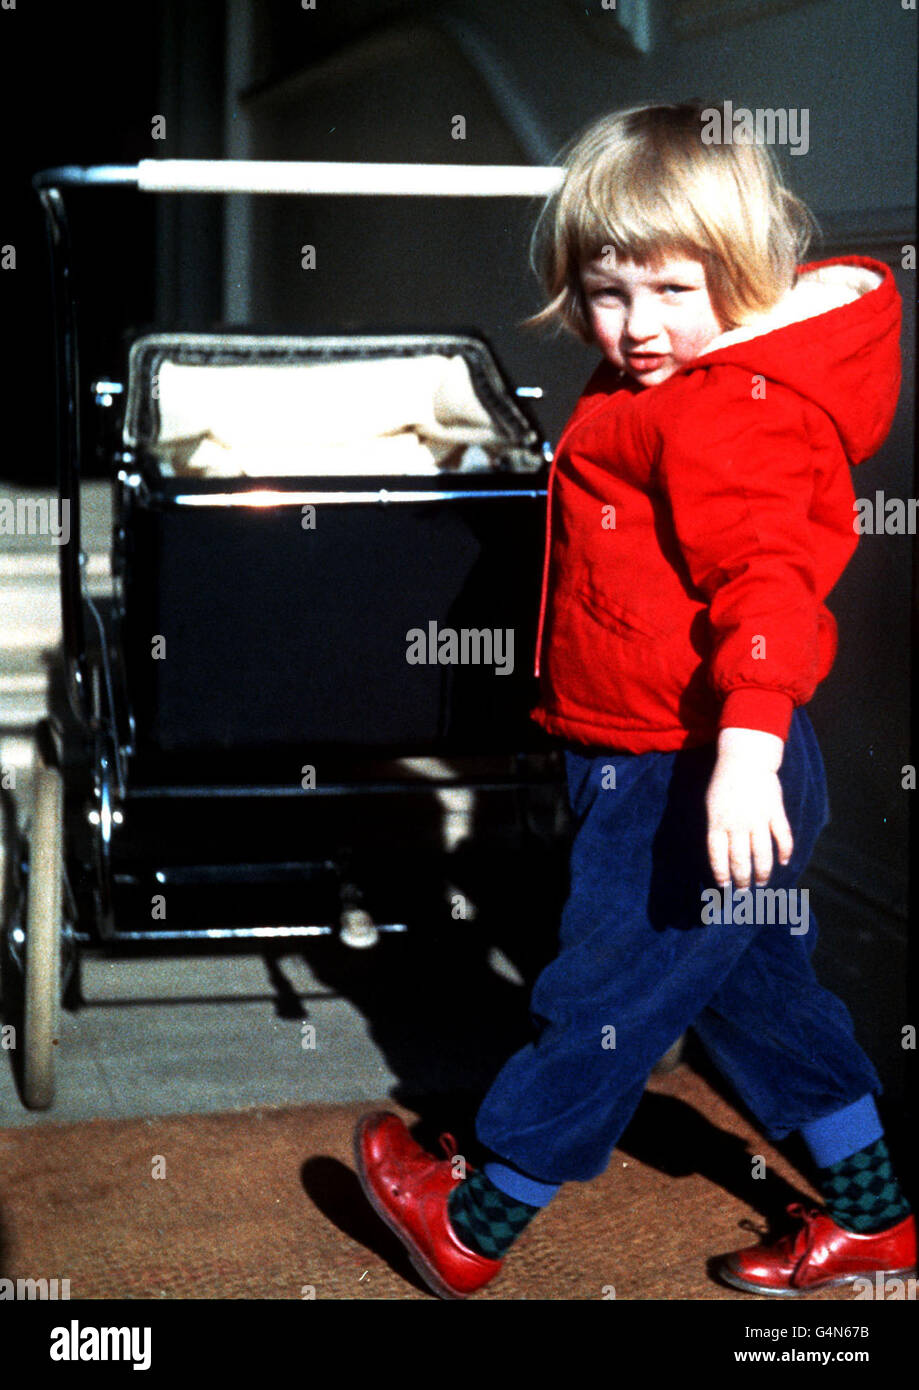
column 399, row 415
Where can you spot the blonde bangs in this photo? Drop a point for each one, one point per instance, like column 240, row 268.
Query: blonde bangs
column 643, row 183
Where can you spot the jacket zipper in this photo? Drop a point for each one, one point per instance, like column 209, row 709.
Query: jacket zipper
column 571, row 426
column 545, row 563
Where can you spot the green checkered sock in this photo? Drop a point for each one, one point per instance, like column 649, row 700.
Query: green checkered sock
column 861, row 1192
column 484, row 1218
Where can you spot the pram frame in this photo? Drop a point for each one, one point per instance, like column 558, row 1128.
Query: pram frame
column 221, row 177
column 89, row 687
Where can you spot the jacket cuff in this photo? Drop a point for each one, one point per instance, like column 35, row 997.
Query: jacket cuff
column 751, row 707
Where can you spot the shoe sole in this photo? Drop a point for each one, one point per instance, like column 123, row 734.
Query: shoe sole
column 737, row 1281
column 420, row 1262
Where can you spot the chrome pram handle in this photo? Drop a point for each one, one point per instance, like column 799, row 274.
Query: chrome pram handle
column 312, row 177
column 226, row 176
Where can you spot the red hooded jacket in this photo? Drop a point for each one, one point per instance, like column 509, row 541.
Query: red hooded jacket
column 695, row 527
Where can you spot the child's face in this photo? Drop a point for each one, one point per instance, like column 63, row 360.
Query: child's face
column 649, row 320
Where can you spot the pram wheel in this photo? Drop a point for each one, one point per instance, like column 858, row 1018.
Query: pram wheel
column 42, row 954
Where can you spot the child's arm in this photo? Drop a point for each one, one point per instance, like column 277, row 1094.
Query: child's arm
column 745, row 807
column 738, row 471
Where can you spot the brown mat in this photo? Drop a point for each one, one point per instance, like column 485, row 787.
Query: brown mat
column 259, row 1204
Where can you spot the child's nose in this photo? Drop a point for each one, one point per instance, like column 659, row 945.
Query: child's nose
column 643, row 320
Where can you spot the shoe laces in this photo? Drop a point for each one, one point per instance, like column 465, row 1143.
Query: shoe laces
column 794, row 1242
column 799, row 1241
column 451, row 1149
column 448, row 1145
column 417, row 1163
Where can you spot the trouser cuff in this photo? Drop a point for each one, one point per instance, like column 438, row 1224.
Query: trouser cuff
column 521, row 1188
column 837, row 1136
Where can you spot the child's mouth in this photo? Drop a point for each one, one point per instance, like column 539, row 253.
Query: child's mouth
column 645, row 361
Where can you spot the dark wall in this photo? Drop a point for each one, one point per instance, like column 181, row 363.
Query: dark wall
column 76, row 87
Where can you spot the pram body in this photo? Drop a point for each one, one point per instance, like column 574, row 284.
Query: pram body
column 326, row 559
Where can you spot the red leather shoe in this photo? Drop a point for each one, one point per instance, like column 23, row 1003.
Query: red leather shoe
column 819, row 1255
column 408, row 1189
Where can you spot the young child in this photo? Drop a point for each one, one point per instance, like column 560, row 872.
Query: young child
column 700, row 511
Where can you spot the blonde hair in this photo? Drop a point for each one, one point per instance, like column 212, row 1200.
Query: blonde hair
column 644, row 182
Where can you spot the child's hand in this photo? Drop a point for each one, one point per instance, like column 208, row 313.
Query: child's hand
column 745, row 807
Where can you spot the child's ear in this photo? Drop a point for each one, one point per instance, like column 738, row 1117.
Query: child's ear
column 584, row 328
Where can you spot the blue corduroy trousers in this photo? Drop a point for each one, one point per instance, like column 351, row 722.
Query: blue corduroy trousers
column 638, row 964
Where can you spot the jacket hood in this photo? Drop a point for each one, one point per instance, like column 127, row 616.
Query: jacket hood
column 835, row 339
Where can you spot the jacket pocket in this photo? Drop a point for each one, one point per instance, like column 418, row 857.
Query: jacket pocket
column 608, row 611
